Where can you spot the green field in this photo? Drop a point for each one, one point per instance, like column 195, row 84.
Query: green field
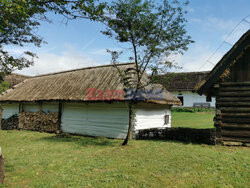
column 44, row 160
column 199, row 120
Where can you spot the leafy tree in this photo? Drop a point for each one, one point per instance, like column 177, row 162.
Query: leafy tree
column 4, row 86
column 19, row 20
column 152, row 31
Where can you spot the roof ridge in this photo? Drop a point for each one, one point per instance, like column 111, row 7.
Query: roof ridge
column 83, row 68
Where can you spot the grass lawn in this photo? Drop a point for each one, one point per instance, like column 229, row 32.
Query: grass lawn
column 197, row 120
column 43, row 160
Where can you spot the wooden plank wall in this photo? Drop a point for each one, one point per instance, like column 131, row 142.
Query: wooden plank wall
column 233, row 113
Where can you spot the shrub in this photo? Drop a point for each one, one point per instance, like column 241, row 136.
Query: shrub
column 192, row 110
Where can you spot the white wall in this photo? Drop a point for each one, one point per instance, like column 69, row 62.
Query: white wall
column 96, row 119
column 151, row 116
column 190, row 98
column 45, row 107
column 111, row 120
column 99, row 119
column 9, row 110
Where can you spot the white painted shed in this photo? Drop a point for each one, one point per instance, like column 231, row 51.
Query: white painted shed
column 149, row 116
column 191, row 99
column 182, row 85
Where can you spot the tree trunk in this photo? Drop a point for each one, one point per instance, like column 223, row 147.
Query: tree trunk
column 129, row 134
column 1, row 167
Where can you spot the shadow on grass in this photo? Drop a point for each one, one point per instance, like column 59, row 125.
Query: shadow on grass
column 184, row 142
column 81, row 140
column 8, row 167
column 184, row 135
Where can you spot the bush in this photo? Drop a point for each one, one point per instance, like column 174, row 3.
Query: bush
column 192, row 110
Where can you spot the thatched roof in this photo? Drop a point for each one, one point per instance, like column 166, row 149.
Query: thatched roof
column 14, row 79
column 184, row 81
column 224, row 64
column 72, row 86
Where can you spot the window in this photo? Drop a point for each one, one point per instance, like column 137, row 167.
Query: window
column 181, row 99
column 166, row 119
column 208, row 99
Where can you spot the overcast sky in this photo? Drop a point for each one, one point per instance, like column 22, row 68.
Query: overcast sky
column 80, row 43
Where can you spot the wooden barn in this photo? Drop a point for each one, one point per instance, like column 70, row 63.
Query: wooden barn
column 229, row 82
column 89, row 101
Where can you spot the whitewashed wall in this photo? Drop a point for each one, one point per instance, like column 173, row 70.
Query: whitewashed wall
column 151, row 116
column 190, row 98
column 99, row 119
column 9, row 110
column 96, row 119
column 45, row 107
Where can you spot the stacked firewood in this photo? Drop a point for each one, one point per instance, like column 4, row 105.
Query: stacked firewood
column 10, row 123
column 40, row 121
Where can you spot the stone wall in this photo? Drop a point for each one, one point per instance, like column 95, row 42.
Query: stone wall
column 39, row 121
column 203, row 136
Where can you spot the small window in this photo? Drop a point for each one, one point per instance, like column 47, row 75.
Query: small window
column 209, row 99
column 166, row 119
column 181, row 99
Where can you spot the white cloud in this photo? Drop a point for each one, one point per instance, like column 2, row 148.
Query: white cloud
column 195, row 20
column 99, row 52
column 238, row 31
column 200, row 58
column 214, row 23
column 50, row 62
column 223, row 25
column 217, row 23
column 103, row 51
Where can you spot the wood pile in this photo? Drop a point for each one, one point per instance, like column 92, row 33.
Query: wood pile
column 10, row 123
column 1, row 167
column 40, row 121
column 233, row 113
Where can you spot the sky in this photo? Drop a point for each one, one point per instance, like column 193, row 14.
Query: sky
column 81, row 44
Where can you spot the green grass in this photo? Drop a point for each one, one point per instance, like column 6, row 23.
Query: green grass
column 43, row 160
column 199, row 120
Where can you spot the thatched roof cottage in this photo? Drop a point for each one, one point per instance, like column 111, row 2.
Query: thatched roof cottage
column 229, row 82
column 182, row 85
column 87, row 101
